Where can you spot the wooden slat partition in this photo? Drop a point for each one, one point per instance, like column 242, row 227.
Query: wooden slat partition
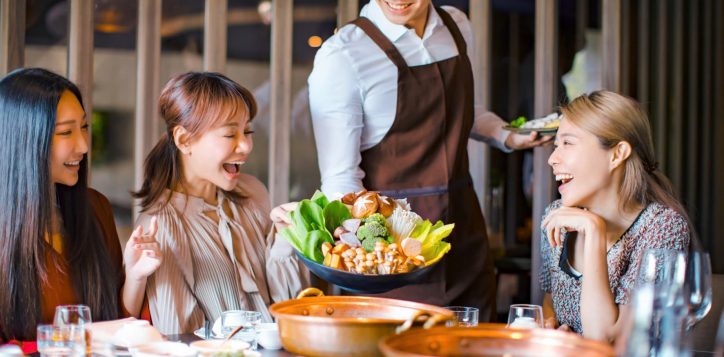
column 80, row 54
column 693, row 111
column 479, row 156
column 347, row 10
column 675, row 138
column 215, row 28
column 12, row 35
column 659, row 118
column 705, row 141
column 148, row 50
column 611, row 54
column 717, row 244
column 280, row 100
column 642, row 89
column 546, row 87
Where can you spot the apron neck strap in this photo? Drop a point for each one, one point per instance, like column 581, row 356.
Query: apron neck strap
column 381, row 40
column 454, row 30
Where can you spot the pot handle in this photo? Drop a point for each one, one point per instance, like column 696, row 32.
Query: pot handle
column 310, row 292
column 420, row 316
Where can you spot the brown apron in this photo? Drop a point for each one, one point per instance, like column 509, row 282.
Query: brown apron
column 424, row 158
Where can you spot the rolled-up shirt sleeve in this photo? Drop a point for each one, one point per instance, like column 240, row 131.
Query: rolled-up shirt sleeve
column 335, row 101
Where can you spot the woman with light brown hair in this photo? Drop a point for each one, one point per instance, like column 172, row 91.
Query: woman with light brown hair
column 213, row 220
column 615, row 204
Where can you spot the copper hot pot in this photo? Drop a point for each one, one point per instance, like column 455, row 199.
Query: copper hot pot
column 347, row 325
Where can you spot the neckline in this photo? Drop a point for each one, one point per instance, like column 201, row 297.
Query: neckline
column 564, row 263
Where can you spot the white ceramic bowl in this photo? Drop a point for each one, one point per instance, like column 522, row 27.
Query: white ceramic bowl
column 269, row 336
column 165, row 348
column 136, row 333
column 209, row 347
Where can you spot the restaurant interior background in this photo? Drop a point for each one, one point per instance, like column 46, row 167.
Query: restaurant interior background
column 671, row 54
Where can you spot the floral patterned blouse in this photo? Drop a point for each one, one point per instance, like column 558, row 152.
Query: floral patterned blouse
column 657, row 226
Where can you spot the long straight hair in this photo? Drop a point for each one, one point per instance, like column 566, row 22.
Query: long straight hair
column 196, row 101
column 28, row 107
column 614, row 118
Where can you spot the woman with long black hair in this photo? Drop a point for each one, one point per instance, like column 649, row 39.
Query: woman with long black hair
column 58, row 242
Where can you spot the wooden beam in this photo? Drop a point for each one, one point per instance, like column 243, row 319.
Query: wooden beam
column 12, row 35
column 644, row 67
column 546, row 89
column 660, row 117
column 611, row 54
column 675, row 141
column 280, row 100
column 347, row 10
column 693, row 115
column 215, row 25
column 148, row 69
column 80, row 54
column 478, row 152
column 717, row 246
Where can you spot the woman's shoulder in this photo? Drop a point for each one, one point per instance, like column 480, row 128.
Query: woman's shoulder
column 664, row 227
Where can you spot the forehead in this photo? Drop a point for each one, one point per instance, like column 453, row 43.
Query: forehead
column 69, row 107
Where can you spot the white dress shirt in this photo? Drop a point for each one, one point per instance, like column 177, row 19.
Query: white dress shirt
column 353, row 92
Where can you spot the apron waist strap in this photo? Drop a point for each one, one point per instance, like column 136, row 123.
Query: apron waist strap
column 453, row 185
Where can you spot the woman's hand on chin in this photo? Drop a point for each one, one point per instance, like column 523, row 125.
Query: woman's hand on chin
column 142, row 255
column 572, row 219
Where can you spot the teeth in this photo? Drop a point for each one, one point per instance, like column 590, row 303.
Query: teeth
column 561, row 177
column 397, row 6
column 236, row 162
column 72, row 163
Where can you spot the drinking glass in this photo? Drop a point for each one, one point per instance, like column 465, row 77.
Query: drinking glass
column 666, row 270
column 75, row 315
column 61, row 341
column 525, row 316
column 697, row 287
column 464, row 316
column 248, row 319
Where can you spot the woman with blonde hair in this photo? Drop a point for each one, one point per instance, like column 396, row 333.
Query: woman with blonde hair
column 615, row 204
column 213, row 220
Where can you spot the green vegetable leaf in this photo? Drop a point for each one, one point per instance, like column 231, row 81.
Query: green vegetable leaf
column 312, row 215
column 334, row 214
column 313, row 244
column 320, row 199
column 518, row 122
column 292, row 238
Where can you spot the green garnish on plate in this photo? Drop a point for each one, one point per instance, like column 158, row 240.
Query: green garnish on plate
column 518, row 122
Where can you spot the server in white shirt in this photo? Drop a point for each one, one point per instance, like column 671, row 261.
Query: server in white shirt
column 392, row 103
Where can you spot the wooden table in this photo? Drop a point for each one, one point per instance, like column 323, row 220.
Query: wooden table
column 190, row 337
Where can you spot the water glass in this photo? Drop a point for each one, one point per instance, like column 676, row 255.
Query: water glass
column 697, row 288
column 525, row 316
column 61, row 341
column 464, row 316
column 75, row 315
column 232, row 319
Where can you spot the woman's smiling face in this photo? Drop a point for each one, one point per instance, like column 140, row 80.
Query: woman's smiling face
column 218, row 154
column 581, row 165
column 70, row 140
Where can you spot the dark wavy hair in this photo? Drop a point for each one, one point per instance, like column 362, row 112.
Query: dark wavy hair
column 28, row 105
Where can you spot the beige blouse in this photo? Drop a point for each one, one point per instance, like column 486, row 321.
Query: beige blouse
column 209, row 265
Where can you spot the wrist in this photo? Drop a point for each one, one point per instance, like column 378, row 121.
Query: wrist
column 134, row 278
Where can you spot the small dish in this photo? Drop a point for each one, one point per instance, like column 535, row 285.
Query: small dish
column 212, row 347
column 269, row 336
column 136, row 333
column 541, row 131
column 165, row 348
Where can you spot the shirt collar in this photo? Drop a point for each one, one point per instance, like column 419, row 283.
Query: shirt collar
column 394, row 32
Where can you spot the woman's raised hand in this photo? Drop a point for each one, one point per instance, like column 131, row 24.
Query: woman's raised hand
column 570, row 219
column 142, row 255
column 280, row 215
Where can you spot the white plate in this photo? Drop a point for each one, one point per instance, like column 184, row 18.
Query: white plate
column 201, row 333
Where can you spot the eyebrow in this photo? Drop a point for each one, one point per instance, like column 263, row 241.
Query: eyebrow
column 70, row 121
column 566, row 135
